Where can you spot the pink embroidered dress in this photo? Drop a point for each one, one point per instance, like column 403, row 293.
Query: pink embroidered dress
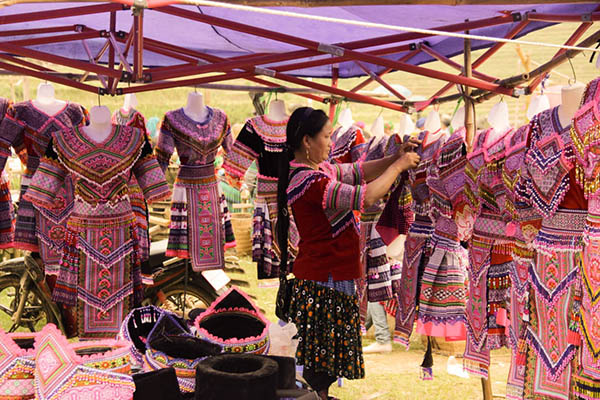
column 100, row 267
column 263, row 141
column 347, row 145
column 28, row 130
column 489, row 250
column 585, row 133
column 549, row 183
column 197, row 219
column 7, row 216
column 443, row 285
column 138, row 203
column 417, row 248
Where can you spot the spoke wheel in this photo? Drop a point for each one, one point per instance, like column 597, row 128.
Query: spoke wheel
column 36, row 314
column 195, row 298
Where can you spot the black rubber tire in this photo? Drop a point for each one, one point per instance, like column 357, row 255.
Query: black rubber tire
column 7, row 304
column 236, row 376
column 205, row 298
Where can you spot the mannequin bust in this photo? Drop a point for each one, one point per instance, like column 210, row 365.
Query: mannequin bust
column 498, row 119
column 571, row 97
column 458, row 120
column 129, row 103
column 346, row 120
column 277, row 111
column 195, row 108
column 377, row 129
column 538, row 104
column 100, row 126
column 407, row 126
column 433, row 125
column 46, row 101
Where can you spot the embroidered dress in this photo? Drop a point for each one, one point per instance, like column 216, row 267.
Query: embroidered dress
column 585, row 133
column 197, row 221
column 263, row 141
column 417, row 247
column 443, row 287
column 138, row 204
column 28, row 130
column 348, row 145
column 7, row 216
column 521, row 217
column 324, row 306
column 489, row 251
column 100, row 265
column 550, row 187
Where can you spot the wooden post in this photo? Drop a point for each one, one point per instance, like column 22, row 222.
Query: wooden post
column 335, row 73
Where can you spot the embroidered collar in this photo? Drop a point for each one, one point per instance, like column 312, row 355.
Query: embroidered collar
column 61, row 367
column 99, row 163
column 342, row 141
column 269, row 131
column 204, row 137
column 234, row 322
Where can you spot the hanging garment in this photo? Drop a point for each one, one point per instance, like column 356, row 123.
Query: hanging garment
column 28, row 130
column 138, row 203
column 347, row 146
column 417, row 248
column 524, row 225
column 263, row 140
column 585, row 133
column 7, row 217
column 100, row 266
column 443, row 285
column 197, row 221
column 489, row 251
column 549, row 184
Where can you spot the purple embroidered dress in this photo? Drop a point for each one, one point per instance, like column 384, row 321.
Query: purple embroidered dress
column 100, row 267
column 263, row 141
column 550, row 187
column 28, row 129
column 7, row 215
column 443, row 288
column 585, row 134
column 489, row 250
column 197, row 220
column 417, row 247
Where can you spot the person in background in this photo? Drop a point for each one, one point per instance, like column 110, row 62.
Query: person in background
column 321, row 196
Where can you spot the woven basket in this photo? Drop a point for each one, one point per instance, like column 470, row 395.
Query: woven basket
column 242, row 229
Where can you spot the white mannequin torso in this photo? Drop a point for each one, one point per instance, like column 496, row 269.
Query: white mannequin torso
column 498, row 119
column 195, row 108
column 129, row 102
column 277, row 111
column 407, row 126
column 571, row 98
column 46, row 101
column 458, row 120
column 346, row 120
column 100, row 126
column 377, row 129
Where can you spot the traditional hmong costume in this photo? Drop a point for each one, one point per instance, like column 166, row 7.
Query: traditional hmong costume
column 17, row 365
column 417, row 248
column 100, row 264
column 7, row 217
column 443, row 287
column 522, row 225
column 549, row 185
column 585, row 133
column 263, row 141
column 138, row 203
column 324, row 305
column 29, row 129
column 489, row 251
column 347, row 145
column 197, row 227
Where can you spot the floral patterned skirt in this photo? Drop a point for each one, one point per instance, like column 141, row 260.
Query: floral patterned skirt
column 327, row 317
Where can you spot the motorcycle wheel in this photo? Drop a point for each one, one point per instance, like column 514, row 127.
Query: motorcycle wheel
column 196, row 297
column 36, row 313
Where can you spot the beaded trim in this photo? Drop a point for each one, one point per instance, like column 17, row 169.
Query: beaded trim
column 17, row 367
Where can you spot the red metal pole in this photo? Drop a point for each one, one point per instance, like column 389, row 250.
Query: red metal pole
column 335, row 74
column 53, row 39
column 59, row 13
column 571, row 41
column 39, row 31
column 380, row 81
column 591, row 17
column 24, row 63
column 138, row 45
column 404, row 58
column 111, row 50
column 457, row 66
column 48, row 77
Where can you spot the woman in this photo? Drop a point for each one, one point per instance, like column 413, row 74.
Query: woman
column 324, row 305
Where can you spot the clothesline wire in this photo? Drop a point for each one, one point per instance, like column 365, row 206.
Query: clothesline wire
column 377, row 25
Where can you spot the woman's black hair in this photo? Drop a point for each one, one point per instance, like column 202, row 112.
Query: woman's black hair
column 303, row 121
